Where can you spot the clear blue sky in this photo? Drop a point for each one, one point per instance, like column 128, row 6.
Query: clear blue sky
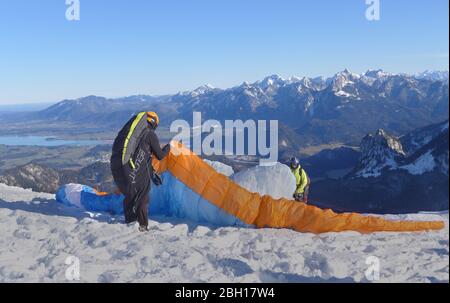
column 124, row 47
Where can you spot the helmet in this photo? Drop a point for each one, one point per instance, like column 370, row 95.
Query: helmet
column 294, row 162
column 153, row 118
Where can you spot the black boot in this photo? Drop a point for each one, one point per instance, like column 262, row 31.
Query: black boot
column 143, row 228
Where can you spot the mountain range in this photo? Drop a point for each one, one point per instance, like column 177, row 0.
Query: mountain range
column 311, row 111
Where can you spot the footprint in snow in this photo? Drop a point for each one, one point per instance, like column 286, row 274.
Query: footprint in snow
column 24, row 220
column 234, row 267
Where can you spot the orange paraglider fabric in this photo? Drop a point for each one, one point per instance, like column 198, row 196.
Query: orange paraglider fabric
column 264, row 211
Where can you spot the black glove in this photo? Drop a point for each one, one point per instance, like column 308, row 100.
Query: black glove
column 156, row 178
column 166, row 148
column 298, row 197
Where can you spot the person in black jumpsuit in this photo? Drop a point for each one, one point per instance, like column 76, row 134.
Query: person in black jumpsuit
column 135, row 183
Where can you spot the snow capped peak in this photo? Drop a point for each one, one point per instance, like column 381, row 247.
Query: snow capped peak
column 428, row 149
column 421, row 151
column 306, row 82
column 375, row 73
column 343, row 84
column 201, row 90
column 274, row 78
column 319, row 79
column 204, row 88
column 273, row 81
column 433, row 75
column 321, row 82
column 347, row 74
column 293, row 79
column 418, row 138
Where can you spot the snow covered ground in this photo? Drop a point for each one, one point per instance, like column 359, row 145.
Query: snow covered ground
column 37, row 236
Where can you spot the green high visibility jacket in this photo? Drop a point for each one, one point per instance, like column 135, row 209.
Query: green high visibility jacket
column 301, row 178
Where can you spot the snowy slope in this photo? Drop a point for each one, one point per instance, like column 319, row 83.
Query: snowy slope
column 37, row 235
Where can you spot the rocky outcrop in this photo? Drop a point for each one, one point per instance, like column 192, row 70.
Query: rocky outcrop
column 391, row 178
column 32, row 176
column 378, row 152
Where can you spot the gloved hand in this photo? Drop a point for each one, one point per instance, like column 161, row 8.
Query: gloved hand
column 156, row 178
column 298, row 197
column 166, row 148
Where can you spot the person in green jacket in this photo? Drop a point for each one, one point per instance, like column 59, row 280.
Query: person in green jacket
column 302, row 180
